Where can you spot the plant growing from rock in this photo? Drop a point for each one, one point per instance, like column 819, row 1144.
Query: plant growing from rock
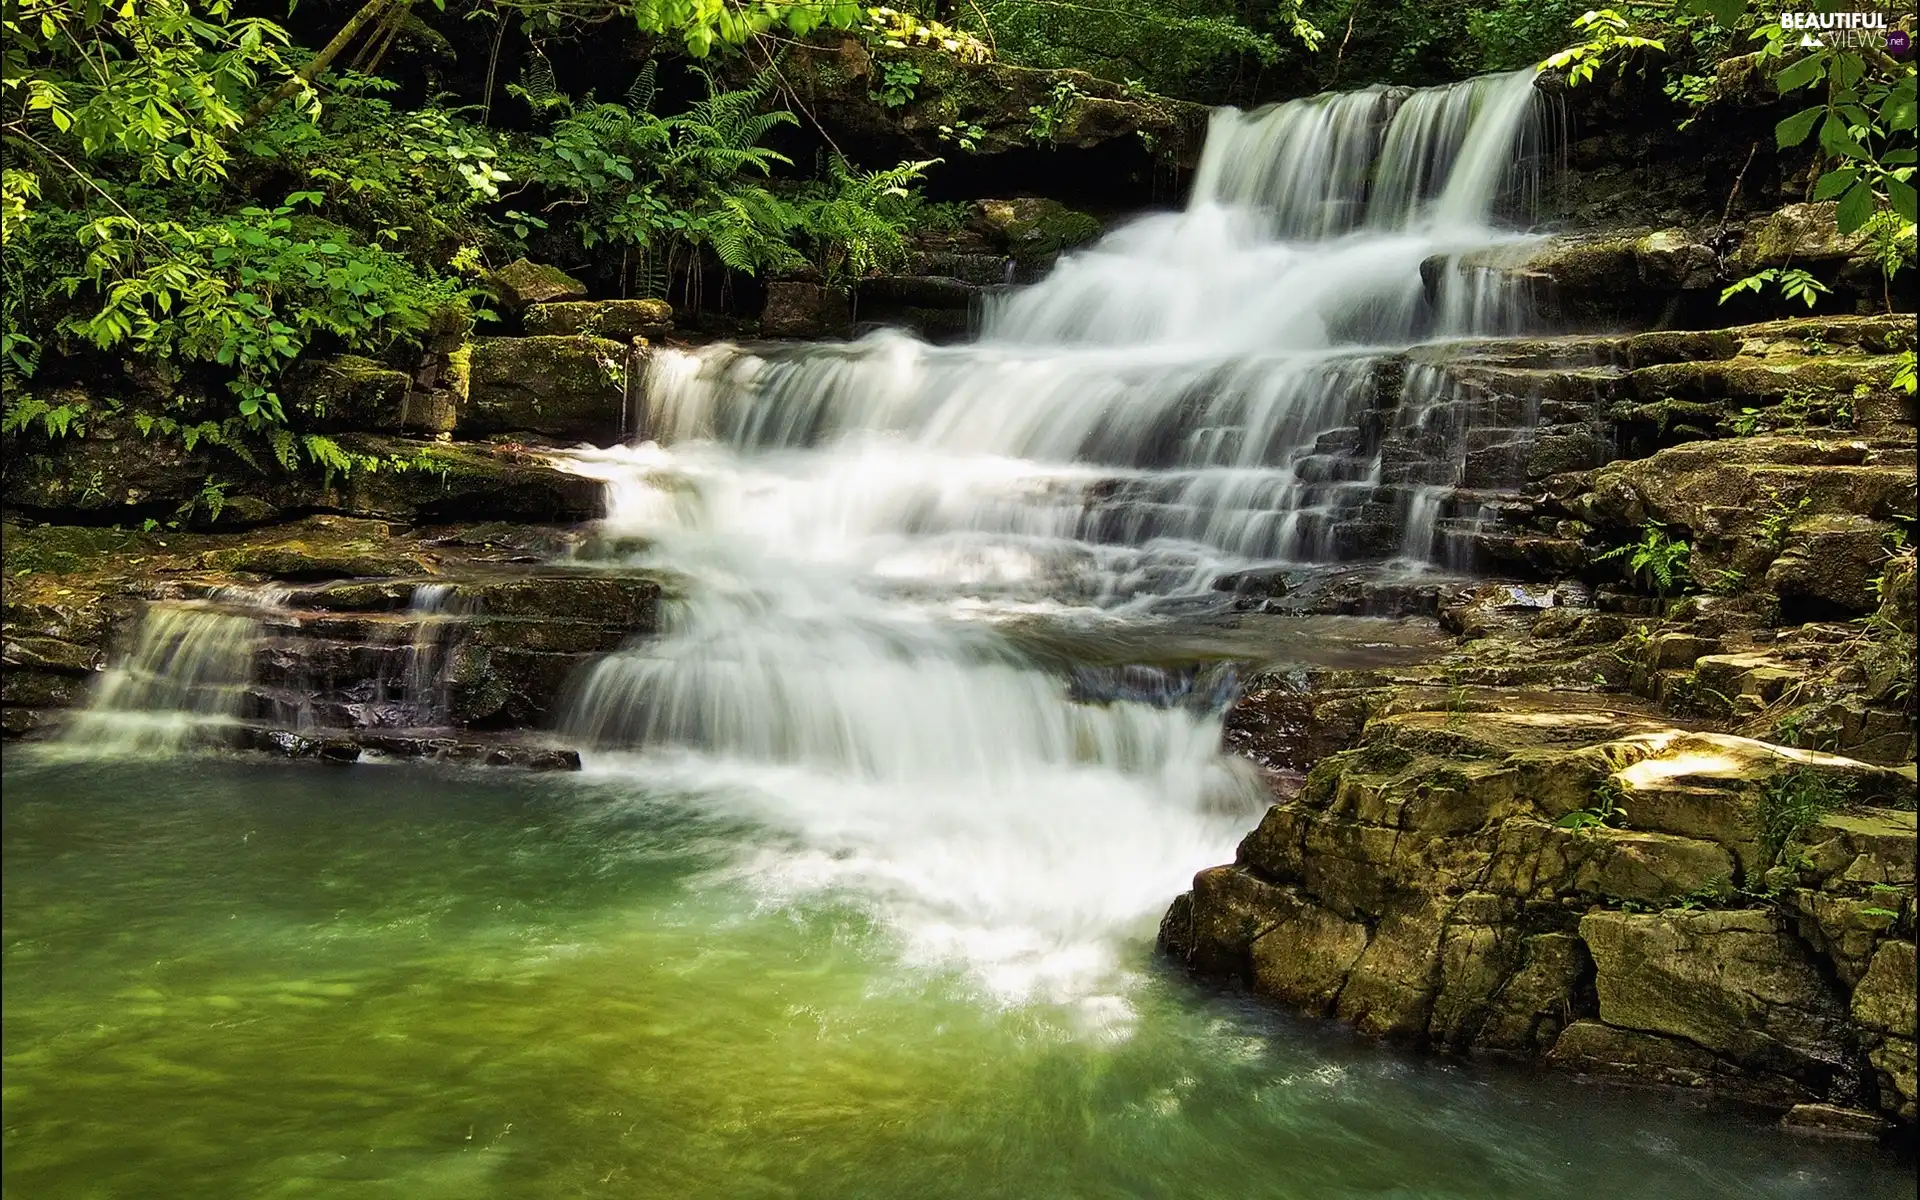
column 1793, row 803
column 1608, row 809
column 1047, row 119
column 1657, row 559
column 1793, row 284
column 897, row 82
column 1610, row 42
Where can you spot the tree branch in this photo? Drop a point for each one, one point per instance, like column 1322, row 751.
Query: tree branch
column 305, row 75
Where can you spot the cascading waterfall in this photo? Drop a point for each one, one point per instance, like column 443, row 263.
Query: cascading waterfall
column 861, row 522
column 184, row 679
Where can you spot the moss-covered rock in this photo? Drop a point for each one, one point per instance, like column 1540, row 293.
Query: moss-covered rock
column 1734, row 983
column 1464, row 879
column 569, row 388
column 457, row 482
column 349, row 392
column 1032, row 230
column 620, row 320
column 319, row 548
column 522, row 283
column 1796, row 234
column 1088, row 134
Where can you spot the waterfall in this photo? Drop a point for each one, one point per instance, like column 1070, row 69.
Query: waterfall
column 183, row 681
column 878, row 534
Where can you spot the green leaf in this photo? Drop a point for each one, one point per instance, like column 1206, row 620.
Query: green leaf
column 1801, row 73
column 1902, row 197
column 1835, row 139
column 1834, row 182
column 1794, row 130
column 1855, row 208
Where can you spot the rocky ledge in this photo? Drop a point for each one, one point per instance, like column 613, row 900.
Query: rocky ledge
column 432, row 642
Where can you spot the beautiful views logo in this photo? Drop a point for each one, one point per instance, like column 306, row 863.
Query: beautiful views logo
column 1846, row 29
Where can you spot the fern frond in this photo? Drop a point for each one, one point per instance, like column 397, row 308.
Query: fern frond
column 640, row 94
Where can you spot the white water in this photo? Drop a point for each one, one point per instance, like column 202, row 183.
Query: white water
column 183, row 680
column 857, row 520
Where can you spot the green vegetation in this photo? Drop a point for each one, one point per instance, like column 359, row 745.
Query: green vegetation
column 193, row 202
column 1859, row 111
column 1608, row 809
column 1795, row 802
column 1657, row 559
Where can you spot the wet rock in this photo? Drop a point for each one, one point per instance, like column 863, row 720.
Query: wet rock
column 448, row 482
column 568, row 388
column 319, row 548
column 1034, row 230
column 619, row 320
column 1733, row 983
column 521, row 283
column 797, row 309
column 1595, row 1048
column 1834, row 1122
column 1459, row 877
column 33, row 687
column 28, row 652
column 1578, row 280
column 1307, row 954
column 936, row 307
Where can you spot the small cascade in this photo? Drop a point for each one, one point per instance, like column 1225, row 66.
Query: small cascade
column 423, row 693
column 185, row 679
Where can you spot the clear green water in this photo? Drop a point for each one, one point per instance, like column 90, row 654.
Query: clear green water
column 227, row 980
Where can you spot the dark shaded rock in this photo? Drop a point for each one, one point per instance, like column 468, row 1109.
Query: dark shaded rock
column 26, row 651
column 450, row 482
column 796, row 309
column 1830, row 1121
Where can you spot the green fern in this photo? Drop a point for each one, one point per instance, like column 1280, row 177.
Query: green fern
column 641, row 92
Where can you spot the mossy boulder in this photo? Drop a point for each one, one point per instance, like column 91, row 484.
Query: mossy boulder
column 445, row 482
column 349, row 392
column 522, row 283
column 113, row 472
column 1829, row 564
column 572, row 389
column 1796, row 234
column 620, row 320
column 1736, row 501
column 1592, row 279
column 1088, row 134
column 1034, row 230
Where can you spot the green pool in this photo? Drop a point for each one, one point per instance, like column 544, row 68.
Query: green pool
column 240, row 980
